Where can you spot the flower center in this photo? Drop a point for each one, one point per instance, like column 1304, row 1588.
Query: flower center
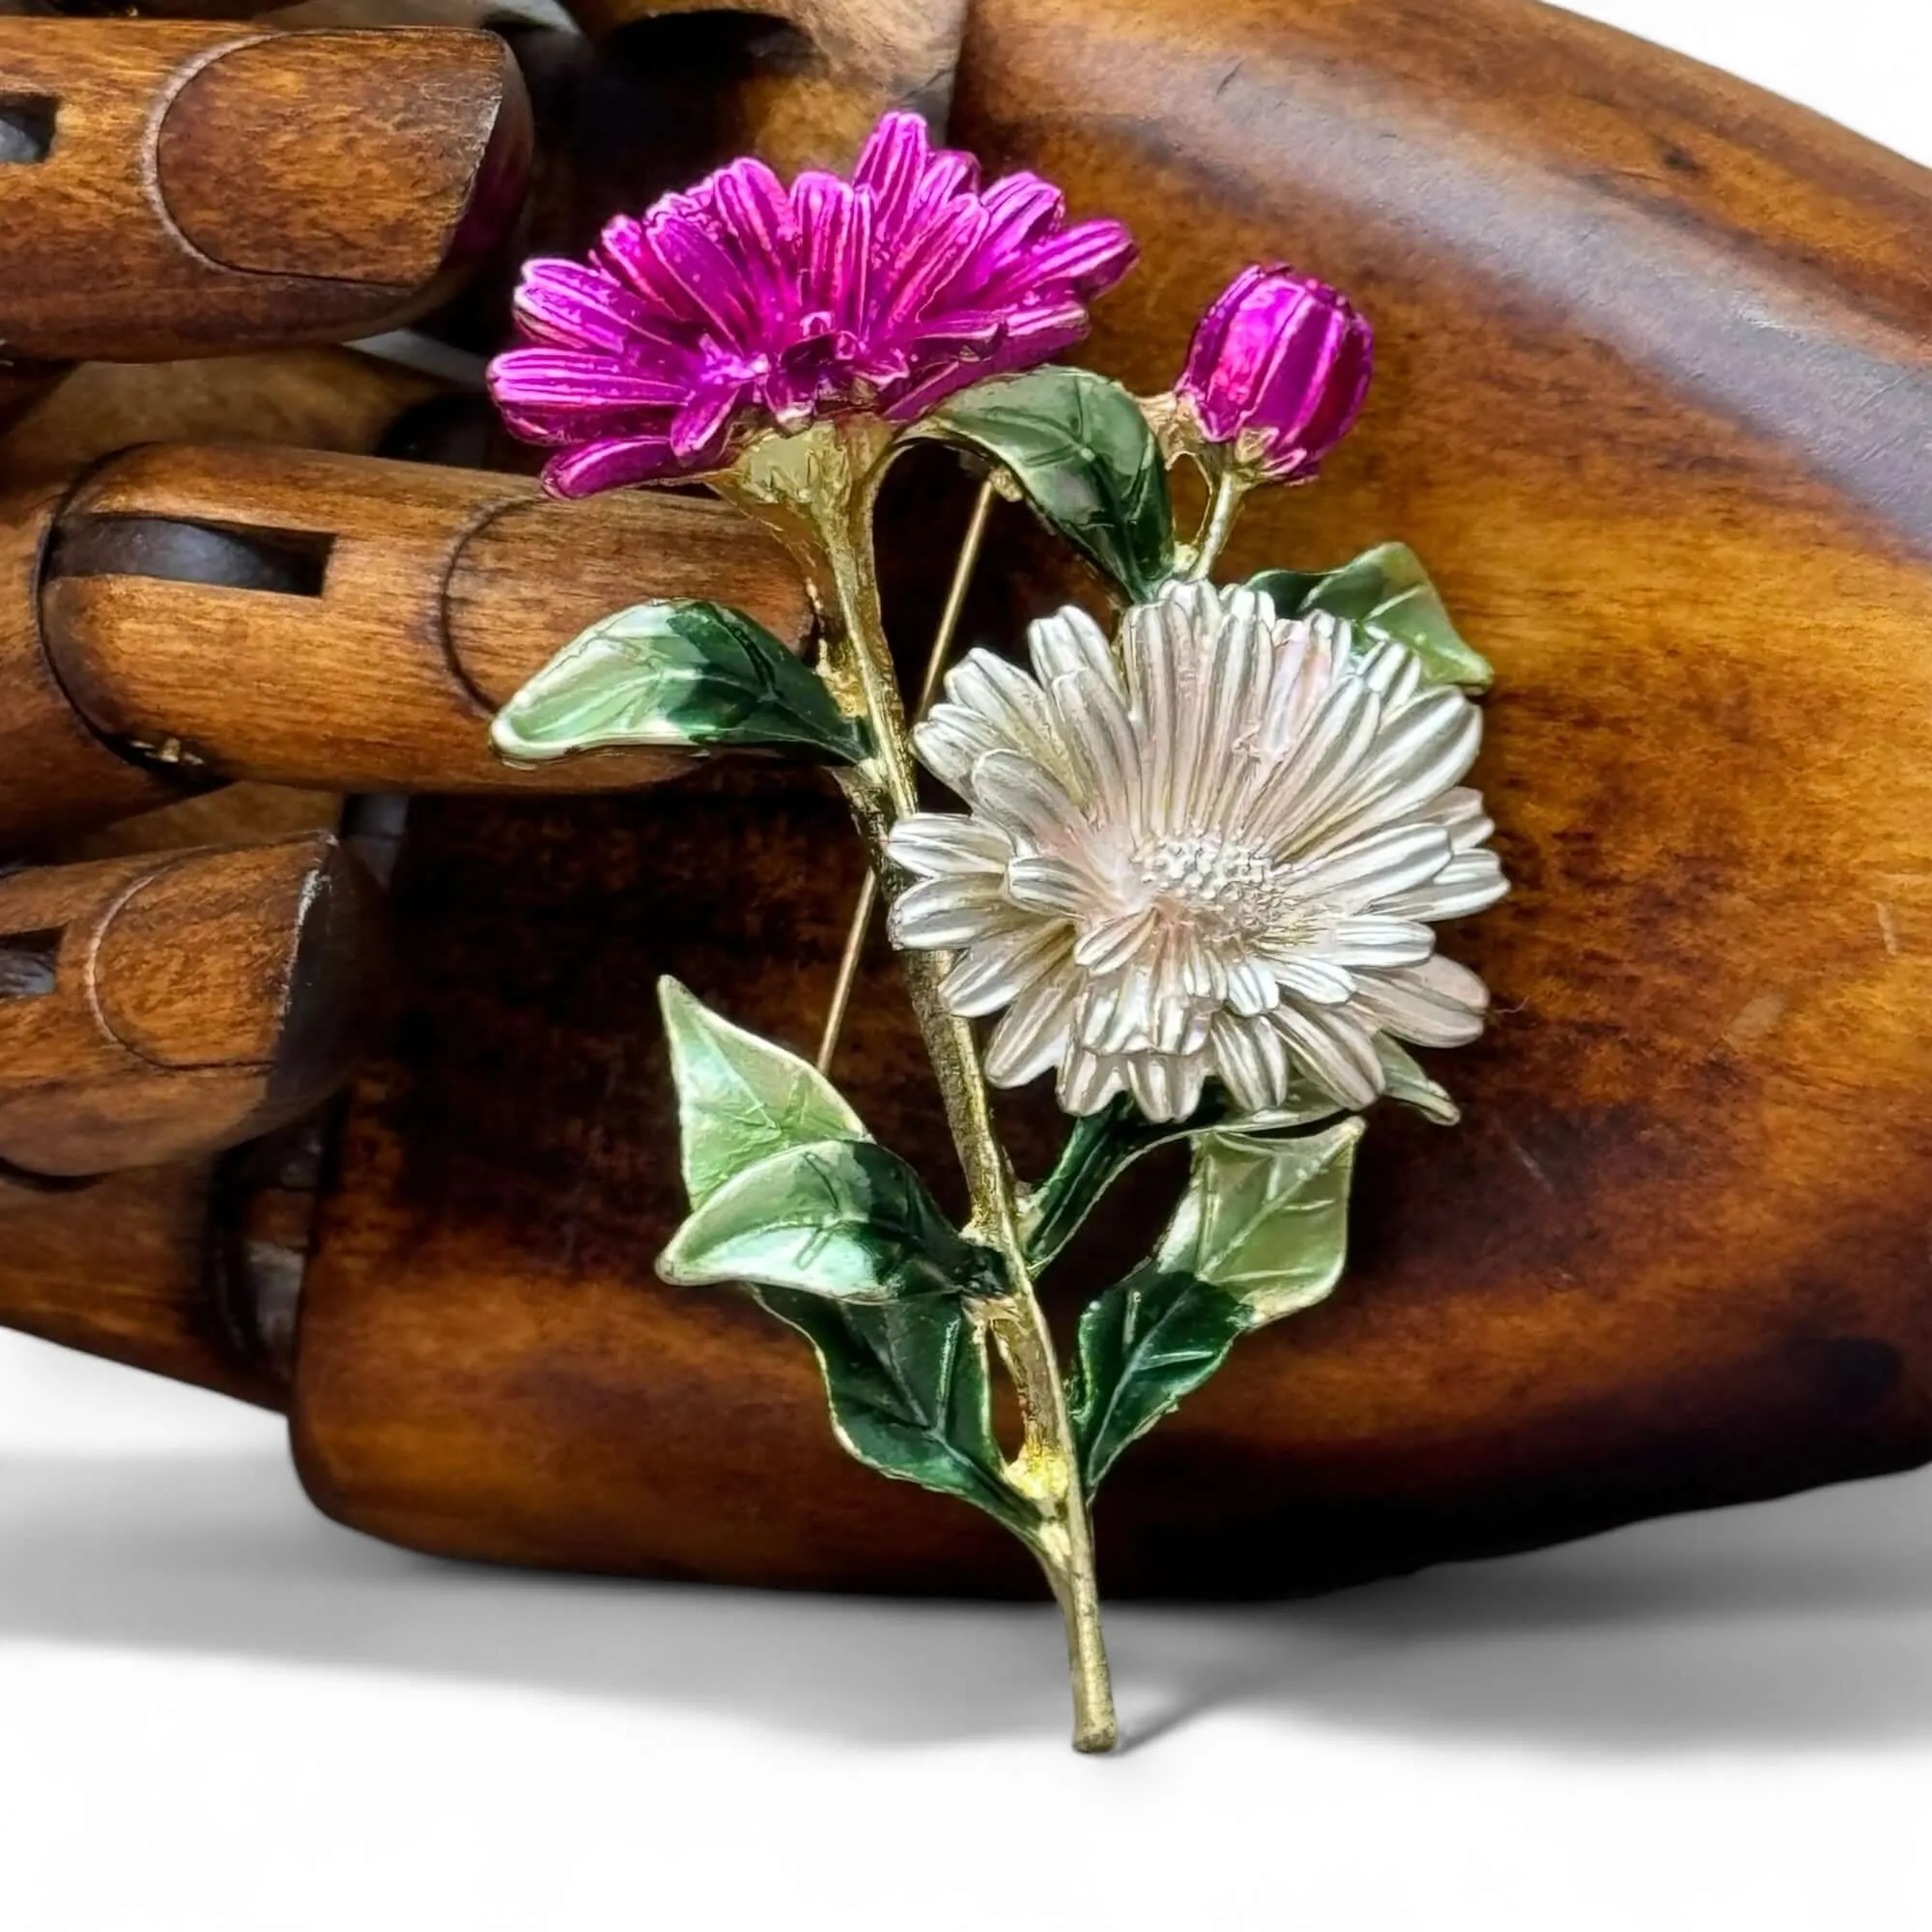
column 1221, row 888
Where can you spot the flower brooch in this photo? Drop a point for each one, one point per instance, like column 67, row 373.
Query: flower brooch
column 1204, row 851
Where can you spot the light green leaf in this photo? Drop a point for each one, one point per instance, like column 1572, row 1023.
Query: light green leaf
column 908, row 1391
column 1080, row 449
column 1387, row 594
column 1266, row 1220
column 1261, row 1233
column 1103, row 1145
column 841, row 1218
column 1408, row 1083
column 677, row 673
column 741, row 1098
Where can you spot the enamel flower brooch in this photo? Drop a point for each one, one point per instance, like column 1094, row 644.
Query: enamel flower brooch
column 1202, row 850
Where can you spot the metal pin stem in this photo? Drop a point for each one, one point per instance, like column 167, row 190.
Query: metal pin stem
column 935, row 664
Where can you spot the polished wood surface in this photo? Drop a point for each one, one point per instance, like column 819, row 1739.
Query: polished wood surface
column 824, row 70
column 380, row 167
column 315, row 619
column 1654, row 403
column 170, row 1005
column 56, row 775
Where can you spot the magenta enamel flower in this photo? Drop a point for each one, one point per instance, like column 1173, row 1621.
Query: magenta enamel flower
column 1278, row 369
column 740, row 305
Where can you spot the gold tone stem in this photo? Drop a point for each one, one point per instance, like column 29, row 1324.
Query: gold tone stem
column 935, row 664
column 882, row 790
column 1230, row 487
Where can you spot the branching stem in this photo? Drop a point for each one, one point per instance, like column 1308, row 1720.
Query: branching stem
column 834, row 501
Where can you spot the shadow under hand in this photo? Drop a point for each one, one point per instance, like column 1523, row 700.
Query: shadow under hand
column 1787, row 1625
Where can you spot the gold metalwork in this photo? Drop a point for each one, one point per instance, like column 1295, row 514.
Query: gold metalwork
column 935, row 664
column 817, row 492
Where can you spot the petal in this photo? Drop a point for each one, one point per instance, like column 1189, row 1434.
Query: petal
column 942, row 914
column 572, row 305
column 1111, row 943
column 1459, row 812
column 1166, row 1087
column 1333, row 1049
column 936, row 844
column 1396, row 859
column 1376, row 942
column 1014, row 708
column 1466, row 884
column 1087, row 1082
column 834, row 227
column 1252, row 1059
column 950, row 740
column 1026, row 799
column 755, row 207
column 1068, row 642
column 1437, row 1003
column 1032, row 1033
column 1088, row 259
column 596, row 467
column 565, row 379
column 891, row 164
column 1320, row 981
column 1045, row 884
column 697, row 430
column 1418, row 755
column 994, row 972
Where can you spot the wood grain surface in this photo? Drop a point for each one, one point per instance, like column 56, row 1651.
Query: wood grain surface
column 167, row 1006
column 380, row 166
column 1653, row 401
column 829, row 68
column 314, row 619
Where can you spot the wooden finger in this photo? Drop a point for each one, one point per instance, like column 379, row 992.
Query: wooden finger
column 808, row 78
column 167, row 1006
column 135, row 1268
column 325, row 620
column 180, row 188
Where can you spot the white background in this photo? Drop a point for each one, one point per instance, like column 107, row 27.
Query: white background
column 220, row 1714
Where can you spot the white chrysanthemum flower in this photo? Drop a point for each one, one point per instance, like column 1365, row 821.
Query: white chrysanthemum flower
column 1217, row 853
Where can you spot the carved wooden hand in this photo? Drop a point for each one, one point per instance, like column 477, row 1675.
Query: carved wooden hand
column 1654, row 393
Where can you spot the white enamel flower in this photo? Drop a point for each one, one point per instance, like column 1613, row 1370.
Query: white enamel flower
column 1217, row 852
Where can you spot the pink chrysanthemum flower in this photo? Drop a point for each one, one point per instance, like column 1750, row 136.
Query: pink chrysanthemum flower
column 740, row 307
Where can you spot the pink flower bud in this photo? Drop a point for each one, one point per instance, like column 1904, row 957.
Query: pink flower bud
column 1279, row 367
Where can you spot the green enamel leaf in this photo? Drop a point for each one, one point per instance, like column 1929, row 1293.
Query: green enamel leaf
column 908, row 1391
column 1387, row 594
column 1080, row 449
column 1103, row 1145
column 1412, row 1087
column 1261, row 1233
column 1267, row 1221
column 840, row 1218
column 1148, row 1342
column 676, row 673
column 741, row 1098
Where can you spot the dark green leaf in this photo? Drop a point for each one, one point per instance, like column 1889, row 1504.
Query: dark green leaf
column 676, row 673
column 1103, row 1145
column 741, row 1098
column 1146, row 1343
column 1387, row 594
column 839, row 1218
column 1261, row 1233
column 1079, row 447
column 908, row 1392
